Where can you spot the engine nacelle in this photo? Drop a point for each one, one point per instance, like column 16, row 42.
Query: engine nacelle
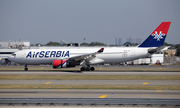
column 62, row 64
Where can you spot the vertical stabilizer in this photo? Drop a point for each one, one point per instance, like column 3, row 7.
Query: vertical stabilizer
column 157, row 37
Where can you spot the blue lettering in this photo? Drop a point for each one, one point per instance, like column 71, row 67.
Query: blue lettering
column 34, row 54
column 37, row 54
column 67, row 54
column 29, row 54
column 63, row 54
column 41, row 54
column 47, row 54
column 58, row 54
column 53, row 53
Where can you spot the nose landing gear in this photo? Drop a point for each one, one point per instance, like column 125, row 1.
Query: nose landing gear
column 25, row 68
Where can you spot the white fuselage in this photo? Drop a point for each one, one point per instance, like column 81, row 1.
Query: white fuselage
column 109, row 55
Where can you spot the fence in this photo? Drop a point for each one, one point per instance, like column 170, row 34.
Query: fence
column 172, row 60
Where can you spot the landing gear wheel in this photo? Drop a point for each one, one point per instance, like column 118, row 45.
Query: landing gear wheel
column 26, row 69
column 87, row 68
column 82, row 68
column 92, row 68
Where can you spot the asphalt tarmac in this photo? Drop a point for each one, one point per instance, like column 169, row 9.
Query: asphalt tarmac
column 89, row 93
column 129, row 68
column 84, row 93
column 93, row 82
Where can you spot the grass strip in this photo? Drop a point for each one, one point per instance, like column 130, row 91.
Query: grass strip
column 88, row 77
column 122, row 87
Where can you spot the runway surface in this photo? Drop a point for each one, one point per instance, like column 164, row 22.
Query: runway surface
column 82, row 93
column 93, row 82
column 89, row 93
column 84, row 73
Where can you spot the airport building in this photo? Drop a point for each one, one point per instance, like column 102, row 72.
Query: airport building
column 158, row 57
column 14, row 44
column 8, row 48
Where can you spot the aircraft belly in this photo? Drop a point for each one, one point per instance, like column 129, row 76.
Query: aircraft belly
column 36, row 61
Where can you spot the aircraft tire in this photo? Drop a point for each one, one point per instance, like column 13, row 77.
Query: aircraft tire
column 92, row 68
column 26, row 69
column 82, row 69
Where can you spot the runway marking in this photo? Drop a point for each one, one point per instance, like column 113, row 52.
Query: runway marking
column 63, row 90
column 47, row 82
column 100, row 68
column 42, row 68
column 103, row 96
column 159, row 91
column 145, row 83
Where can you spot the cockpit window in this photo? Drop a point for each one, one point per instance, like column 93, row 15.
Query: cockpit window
column 14, row 54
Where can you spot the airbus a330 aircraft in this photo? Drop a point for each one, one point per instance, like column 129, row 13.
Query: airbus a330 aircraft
column 71, row 57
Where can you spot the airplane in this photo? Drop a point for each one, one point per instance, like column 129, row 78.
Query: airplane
column 82, row 56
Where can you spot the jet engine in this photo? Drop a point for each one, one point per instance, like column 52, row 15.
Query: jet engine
column 62, row 64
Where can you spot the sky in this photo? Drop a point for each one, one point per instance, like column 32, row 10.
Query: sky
column 41, row 21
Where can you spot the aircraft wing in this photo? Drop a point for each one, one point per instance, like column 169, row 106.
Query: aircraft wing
column 86, row 56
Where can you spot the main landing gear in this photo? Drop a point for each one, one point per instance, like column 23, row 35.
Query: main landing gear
column 87, row 68
column 25, row 68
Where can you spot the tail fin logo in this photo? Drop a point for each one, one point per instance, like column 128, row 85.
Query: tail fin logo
column 158, row 37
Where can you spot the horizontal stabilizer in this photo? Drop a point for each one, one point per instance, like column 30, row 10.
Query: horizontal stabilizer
column 155, row 50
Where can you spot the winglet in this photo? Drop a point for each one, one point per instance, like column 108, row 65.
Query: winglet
column 101, row 50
